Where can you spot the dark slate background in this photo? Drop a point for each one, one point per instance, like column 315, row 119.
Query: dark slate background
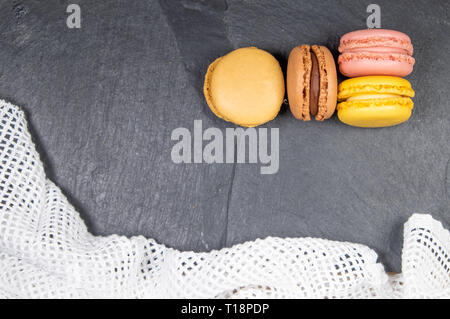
column 103, row 100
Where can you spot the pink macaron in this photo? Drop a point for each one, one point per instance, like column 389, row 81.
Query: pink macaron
column 376, row 52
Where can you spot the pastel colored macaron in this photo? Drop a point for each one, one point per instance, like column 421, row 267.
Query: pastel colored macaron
column 311, row 83
column 375, row 101
column 245, row 87
column 376, row 52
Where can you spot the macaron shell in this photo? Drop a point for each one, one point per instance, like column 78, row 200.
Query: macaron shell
column 376, row 38
column 378, row 114
column 374, row 85
column 206, row 88
column 298, row 81
column 355, row 64
column 245, row 87
column 328, row 82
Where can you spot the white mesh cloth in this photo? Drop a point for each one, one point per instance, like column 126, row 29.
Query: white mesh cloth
column 46, row 251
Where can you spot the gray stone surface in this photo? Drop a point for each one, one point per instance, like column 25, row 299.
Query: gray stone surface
column 103, row 100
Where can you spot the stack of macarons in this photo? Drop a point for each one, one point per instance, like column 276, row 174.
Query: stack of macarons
column 247, row 87
column 376, row 96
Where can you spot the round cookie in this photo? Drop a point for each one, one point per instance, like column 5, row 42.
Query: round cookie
column 245, row 87
column 375, row 101
column 311, row 83
column 376, row 52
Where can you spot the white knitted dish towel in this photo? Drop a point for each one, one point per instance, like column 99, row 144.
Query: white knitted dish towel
column 46, row 251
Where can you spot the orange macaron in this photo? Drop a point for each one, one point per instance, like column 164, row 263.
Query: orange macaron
column 245, row 87
column 311, row 83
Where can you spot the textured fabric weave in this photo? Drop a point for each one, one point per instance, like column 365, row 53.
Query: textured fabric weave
column 47, row 252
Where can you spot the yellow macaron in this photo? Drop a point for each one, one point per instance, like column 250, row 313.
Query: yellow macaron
column 375, row 101
column 245, row 87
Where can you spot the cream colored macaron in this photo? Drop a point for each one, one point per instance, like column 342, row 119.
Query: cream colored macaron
column 245, row 87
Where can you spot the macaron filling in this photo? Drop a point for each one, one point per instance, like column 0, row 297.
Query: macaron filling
column 367, row 55
column 314, row 86
column 372, row 96
column 376, row 100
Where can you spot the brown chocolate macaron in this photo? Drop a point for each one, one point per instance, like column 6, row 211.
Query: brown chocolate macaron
column 312, row 83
